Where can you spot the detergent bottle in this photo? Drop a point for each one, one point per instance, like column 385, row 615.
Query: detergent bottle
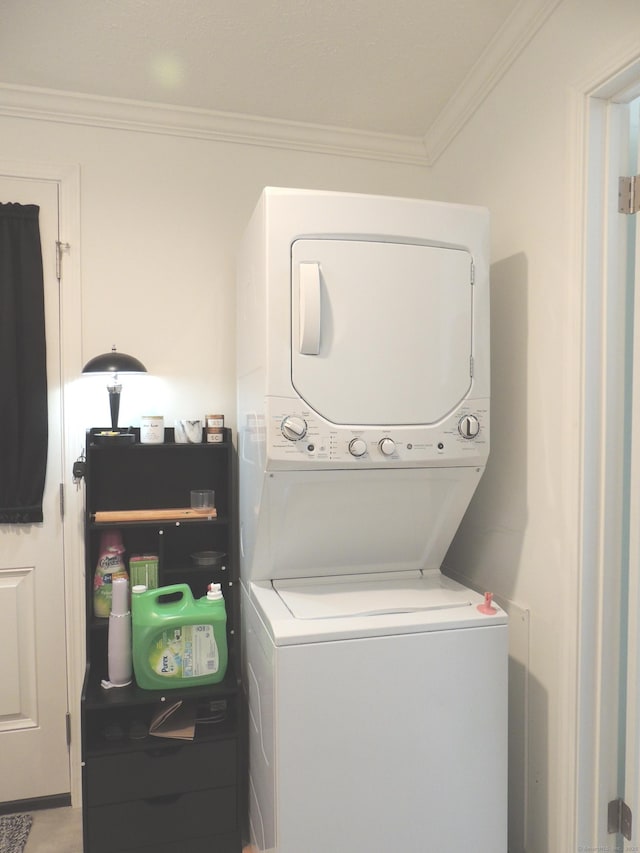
column 110, row 565
column 178, row 641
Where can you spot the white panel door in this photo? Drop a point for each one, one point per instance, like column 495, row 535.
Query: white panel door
column 381, row 332
column 34, row 756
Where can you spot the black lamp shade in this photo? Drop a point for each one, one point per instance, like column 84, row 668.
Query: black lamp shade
column 114, row 362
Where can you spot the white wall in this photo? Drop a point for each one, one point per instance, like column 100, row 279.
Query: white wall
column 161, row 218
column 521, row 155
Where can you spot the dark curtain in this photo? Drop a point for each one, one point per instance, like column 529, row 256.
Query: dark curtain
column 23, row 370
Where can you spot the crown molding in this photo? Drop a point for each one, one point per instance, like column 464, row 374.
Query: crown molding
column 145, row 117
column 121, row 114
column 508, row 43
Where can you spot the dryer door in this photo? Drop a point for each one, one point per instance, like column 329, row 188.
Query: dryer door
column 381, row 332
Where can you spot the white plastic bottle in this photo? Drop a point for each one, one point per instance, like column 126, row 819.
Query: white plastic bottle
column 119, row 644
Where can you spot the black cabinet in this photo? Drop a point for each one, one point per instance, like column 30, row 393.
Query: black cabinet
column 142, row 792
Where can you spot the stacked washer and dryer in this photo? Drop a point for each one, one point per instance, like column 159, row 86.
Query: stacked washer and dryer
column 377, row 686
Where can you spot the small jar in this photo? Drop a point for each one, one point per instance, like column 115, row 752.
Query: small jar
column 152, row 429
column 214, row 428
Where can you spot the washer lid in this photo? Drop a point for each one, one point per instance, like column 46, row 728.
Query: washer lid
column 371, row 595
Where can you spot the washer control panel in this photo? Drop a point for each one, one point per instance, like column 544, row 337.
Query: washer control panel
column 469, row 426
column 293, row 427
column 298, row 437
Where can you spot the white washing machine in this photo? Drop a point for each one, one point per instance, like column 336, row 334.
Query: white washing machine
column 377, row 687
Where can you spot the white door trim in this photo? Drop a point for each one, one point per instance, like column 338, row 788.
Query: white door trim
column 68, row 179
column 632, row 763
column 600, row 143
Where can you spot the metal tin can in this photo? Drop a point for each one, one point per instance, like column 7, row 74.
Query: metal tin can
column 152, row 429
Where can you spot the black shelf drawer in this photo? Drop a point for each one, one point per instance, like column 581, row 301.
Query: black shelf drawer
column 160, row 771
column 228, row 842
column 149, row 823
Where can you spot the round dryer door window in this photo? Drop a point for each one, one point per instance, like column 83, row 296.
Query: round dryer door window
column 381, row 332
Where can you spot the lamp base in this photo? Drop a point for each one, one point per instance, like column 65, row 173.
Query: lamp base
column 113, row 436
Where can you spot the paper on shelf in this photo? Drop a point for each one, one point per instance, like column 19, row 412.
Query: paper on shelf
column 174, row 720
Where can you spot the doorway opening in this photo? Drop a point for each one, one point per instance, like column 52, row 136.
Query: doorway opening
column 607, row 711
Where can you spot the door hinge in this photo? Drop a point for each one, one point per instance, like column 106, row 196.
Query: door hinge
column 629, row 194
column 68, row 724
column 61, row 500
column 619, row 818
column 473, row 273
column 471, row 366
column 60, row 248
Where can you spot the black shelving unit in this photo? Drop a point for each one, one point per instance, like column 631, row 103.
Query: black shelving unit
column 143, row 793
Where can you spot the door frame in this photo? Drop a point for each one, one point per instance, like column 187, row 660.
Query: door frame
column 632, row 763
column 68, row 179
column 602, row 122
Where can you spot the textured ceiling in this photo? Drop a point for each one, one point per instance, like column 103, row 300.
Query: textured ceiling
column 368, row 65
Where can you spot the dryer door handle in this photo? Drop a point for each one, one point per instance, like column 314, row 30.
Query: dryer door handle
column 310, row 314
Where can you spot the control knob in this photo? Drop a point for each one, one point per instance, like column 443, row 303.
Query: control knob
column 293, row 428
column 357, row 447
column 469, row 426
column 387, row 446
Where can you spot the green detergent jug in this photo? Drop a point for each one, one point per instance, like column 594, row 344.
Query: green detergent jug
column 180, row 642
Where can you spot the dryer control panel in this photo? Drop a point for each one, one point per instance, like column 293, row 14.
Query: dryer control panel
column 297, row 437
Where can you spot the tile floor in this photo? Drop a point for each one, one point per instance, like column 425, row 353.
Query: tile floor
column 55, row 831
column 60, row 831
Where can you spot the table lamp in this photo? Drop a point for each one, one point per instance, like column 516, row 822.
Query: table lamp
column 114, row 363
